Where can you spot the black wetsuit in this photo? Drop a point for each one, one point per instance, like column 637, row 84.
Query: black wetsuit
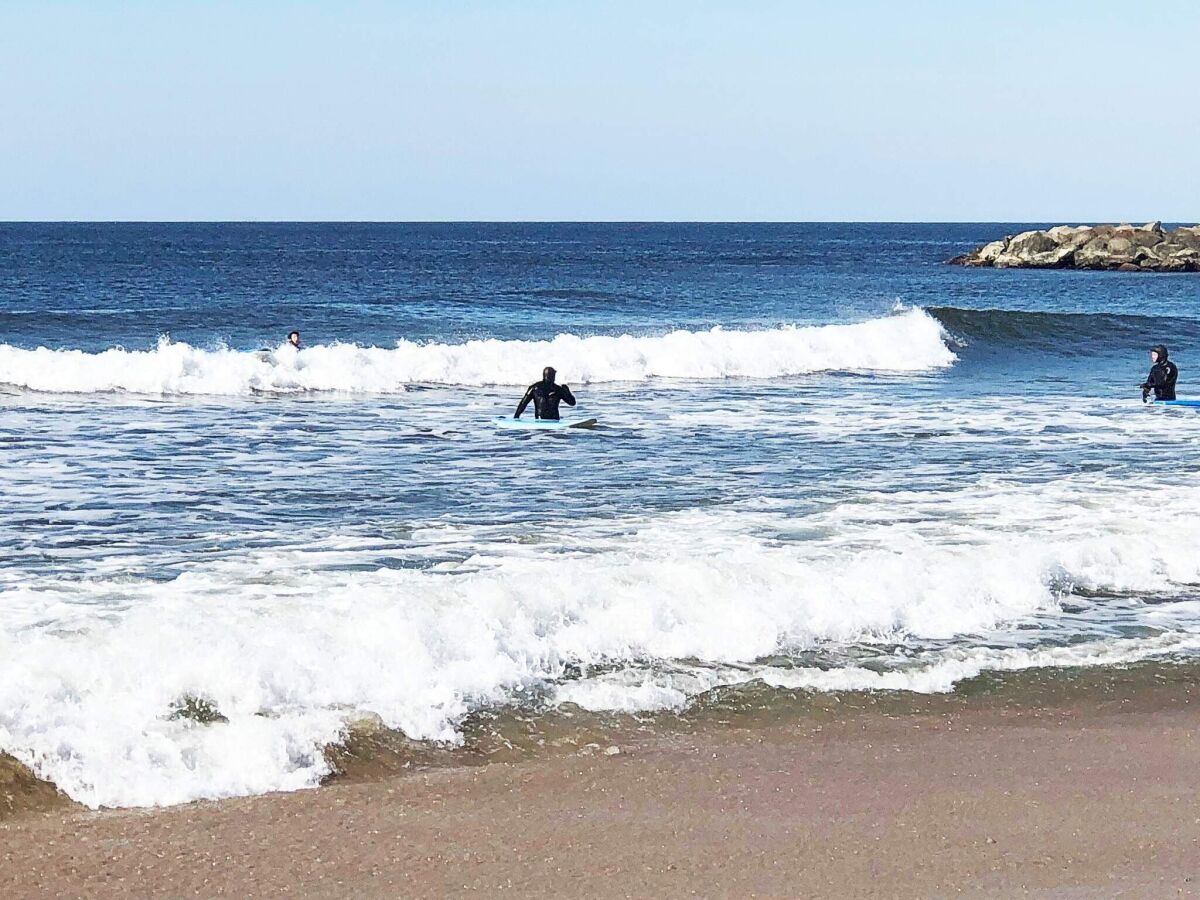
column 1161, row 380
column 546, row 396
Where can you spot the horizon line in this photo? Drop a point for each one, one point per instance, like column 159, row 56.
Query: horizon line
column 578, row 221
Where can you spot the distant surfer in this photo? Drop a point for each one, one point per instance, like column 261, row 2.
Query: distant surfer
column 546, row 396
column 1162, row 377
column 294, row 339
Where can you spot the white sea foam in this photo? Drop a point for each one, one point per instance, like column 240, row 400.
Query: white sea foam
column 938, row 672
column 944, row 670
column 907, row 341
column 289, row 643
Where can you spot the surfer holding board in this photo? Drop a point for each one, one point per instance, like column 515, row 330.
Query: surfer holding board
column 546, row 395
column 1162, row 377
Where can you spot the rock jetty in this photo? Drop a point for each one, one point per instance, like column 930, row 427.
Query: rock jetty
column 1126, row 248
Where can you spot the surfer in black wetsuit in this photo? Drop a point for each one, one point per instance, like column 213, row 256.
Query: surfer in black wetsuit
column 1162, row 377
column 546, row 396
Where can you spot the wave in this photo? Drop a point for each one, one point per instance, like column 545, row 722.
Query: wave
column 633, row 692
column 287, row 645
column 1060, row 332
column 907, row 341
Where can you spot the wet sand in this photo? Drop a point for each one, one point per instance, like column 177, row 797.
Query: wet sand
column 1093, row 796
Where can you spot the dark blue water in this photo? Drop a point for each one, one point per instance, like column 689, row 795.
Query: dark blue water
column 878, row 471
column 93, row 286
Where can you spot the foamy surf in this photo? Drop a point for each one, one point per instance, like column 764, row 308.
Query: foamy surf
column 633, row 691
column 905, row 342
column 289, row 644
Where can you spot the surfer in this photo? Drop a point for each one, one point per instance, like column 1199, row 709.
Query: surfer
column 1162, row 377
column 294, row 339
column 546, row 396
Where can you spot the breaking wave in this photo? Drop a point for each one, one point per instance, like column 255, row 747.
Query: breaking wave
column 907, row 341
column 294, row 642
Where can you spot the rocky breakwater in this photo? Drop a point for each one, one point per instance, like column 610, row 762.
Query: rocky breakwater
column 1126, row 248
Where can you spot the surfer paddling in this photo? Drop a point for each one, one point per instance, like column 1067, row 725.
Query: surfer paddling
column 546, row 395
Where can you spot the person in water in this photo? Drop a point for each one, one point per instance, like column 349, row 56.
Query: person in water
column 1162, row 377
column 546, row 396
column 294, row 339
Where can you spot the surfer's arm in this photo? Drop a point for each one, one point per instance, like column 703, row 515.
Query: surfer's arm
column 525, row 402
column 566, row 395
column 1159, row 378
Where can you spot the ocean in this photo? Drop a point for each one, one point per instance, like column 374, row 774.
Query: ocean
column 826, row 461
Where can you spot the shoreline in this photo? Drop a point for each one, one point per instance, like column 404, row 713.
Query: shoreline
column 1006, row 787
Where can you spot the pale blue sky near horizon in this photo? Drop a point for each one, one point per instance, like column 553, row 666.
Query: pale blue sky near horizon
column 525, row 110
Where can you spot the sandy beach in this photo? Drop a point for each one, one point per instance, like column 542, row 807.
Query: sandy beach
column 1090, row 795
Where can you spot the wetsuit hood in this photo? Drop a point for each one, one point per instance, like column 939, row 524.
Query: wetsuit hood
column 1161, row 351
column 548, row 373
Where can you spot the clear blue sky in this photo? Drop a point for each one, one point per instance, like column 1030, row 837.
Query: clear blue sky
column 514, row 109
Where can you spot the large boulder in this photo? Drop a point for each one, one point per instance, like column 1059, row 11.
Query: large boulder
column 1029, row 242
column 1057, row 258
column 1189, row 258
column 1184, row 237
column 1094, row 254
column 1168, row 256
column 981, row 256
column 1166, row 264
column 1146, row 236
column 986, row 255
column 1067, row 233
column 1120, row 245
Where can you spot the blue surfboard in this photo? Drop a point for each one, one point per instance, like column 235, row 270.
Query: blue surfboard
column 532, row 424
column 1195, row 404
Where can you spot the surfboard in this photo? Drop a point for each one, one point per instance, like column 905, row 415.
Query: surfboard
column 1192, row 403
column 543, row 424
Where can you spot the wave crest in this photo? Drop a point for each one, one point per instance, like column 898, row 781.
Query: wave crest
column 907, row 341
column 1060, row 332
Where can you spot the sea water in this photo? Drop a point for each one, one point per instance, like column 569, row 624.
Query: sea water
column 826, row 461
